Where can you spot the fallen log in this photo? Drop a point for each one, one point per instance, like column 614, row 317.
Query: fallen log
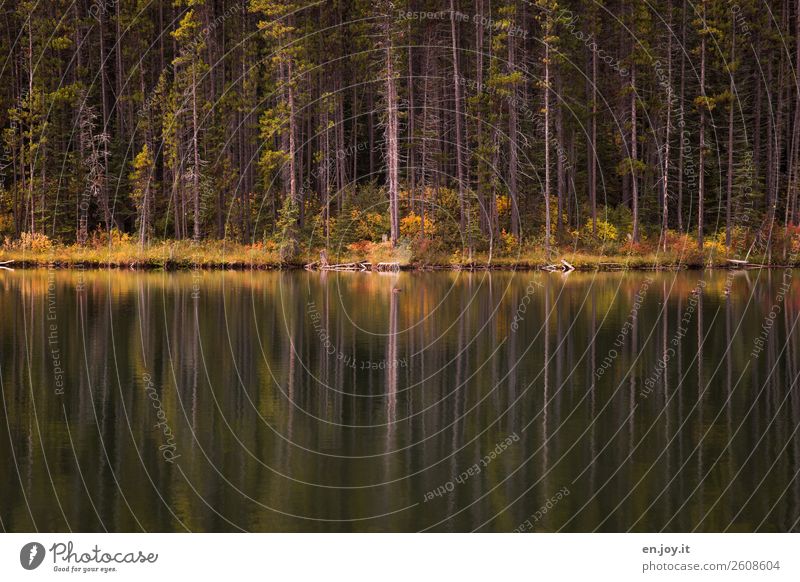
column 394, row 266
column 738, row 262
column 567, row 267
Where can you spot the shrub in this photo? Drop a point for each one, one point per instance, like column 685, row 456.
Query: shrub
column 34, row 242
column 640, row 248
column 606, row 233
column 411, row 225
column 370, row 225
column 361, row 248
column 508, row 243
column 504, row 208
column 114, row 238
column 793, row 239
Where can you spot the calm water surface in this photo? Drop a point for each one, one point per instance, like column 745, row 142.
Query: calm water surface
column 369, row 402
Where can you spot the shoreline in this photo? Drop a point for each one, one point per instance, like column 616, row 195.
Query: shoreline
column 119, row 252
column 183, row 265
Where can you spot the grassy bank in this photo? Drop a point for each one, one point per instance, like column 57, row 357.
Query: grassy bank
column 174, row 255
column 168, row 255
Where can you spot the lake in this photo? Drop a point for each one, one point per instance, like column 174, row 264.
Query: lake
column 297, row 401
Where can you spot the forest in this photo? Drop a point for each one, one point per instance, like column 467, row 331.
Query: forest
column 425, row 131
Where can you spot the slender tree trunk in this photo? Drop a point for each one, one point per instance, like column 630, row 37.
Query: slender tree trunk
column 702, row 153
column 104, row 97
column 794, row 171
column 548, row 29
column 513, row 153
column 119, row 76
column 634, row 159
column 732, row 89
column 560, row 173
column 667, row 128
column 682, row 137
column 759, row 88
column 392, row 150
column 593, row 141
column 196, row 153
column 459, row 145
column 770, row 137
column 293, row 191
column 411, row 170
column 32, row 113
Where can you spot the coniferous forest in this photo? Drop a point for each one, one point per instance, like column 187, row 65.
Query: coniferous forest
column 434, row 131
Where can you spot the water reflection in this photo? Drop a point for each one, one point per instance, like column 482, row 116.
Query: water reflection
column 342, row 402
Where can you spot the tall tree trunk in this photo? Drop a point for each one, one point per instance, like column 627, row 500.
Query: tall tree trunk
column 592, row 153
column 196, row 154
column 794, row 172
column 513, row 153
column 30, row 156
column 459, row 145
column 667, row 128
column 548, row 29
column 732, row 89
column 702, row 153
column 118, row 104
column 560, row 149
column 104, row 97
column 293, row 190
column 682, row 136
column 392, row 146
column 634, row 158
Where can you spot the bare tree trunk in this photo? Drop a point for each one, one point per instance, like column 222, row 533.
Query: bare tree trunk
column 794, row 159
column 665, row 174
column 759, row 86
column 682, row 137
column 459, row 144
column 593, row 148
column 292, row 138
column 732, row 89
column 560, row 173
column 548, row 29
column 119, row 77
column 392, row 154
column 31, row 157
column 513, row 153
column 196, row 152
column 702, row 153
column 104, row 97
column 634, row 158
column 411, row 170
column 770, row 137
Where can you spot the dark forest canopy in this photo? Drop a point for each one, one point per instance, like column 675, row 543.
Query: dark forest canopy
column 462, row 126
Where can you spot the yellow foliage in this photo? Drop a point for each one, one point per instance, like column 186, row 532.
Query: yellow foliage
column 503, row 206
column 606, row 232
column 114, row 238
column 411, row 225
column 716, row 247
column 508, row 242
column 33, row 242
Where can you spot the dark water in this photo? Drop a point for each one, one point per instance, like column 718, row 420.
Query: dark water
column 300, row 401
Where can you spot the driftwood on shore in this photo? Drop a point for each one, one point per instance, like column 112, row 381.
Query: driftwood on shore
column 357, row 266
column 564, row 267
column 4, row 265
column 392, row 267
